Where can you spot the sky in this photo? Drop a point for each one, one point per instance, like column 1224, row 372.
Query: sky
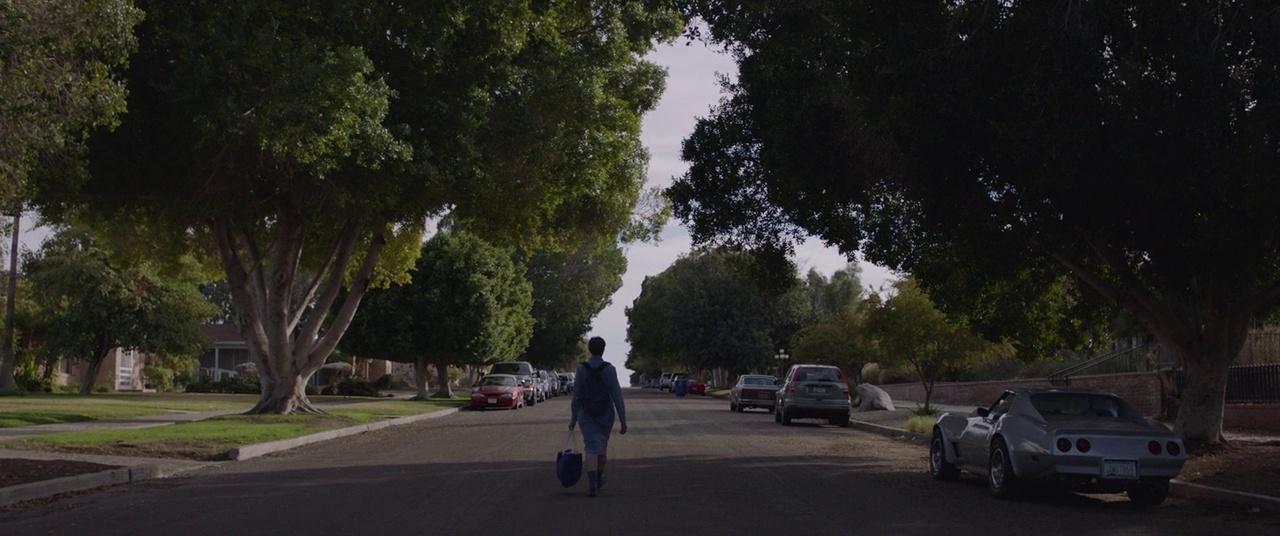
column 692, row 88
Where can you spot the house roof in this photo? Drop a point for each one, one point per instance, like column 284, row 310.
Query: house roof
column 221, row 333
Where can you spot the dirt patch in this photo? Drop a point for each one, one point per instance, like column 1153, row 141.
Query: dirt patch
column 14, row 471
column 1250, row 467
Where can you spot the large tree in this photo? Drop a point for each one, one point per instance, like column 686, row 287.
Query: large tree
column 90, row 306
column 706, row 311
column 58, row 67
column 569, row 289
column 1131, row 144
column 305, row 144
column 468, row 303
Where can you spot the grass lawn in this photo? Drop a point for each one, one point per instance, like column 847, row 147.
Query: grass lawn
column 29, row 409
column 211, row 439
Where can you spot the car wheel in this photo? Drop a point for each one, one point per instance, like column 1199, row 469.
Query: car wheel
column 1000, row 478
column 939, row 467
column 842, row 422
column 1149, row 492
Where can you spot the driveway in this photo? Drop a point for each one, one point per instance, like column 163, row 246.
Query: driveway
column 689, row 466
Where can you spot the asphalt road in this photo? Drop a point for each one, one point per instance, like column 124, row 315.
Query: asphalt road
column 688, row 466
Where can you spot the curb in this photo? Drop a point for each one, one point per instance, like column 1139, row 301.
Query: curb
column 889, row 431
column 261, row 449
column 1200, row 491
column 1177, row 488
column 68, row 484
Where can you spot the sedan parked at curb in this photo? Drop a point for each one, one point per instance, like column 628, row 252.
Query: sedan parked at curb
column 753, row 391
column 695, row 386
column 498, row 391
column 523, row 371
column 813, row 392
column 1089, row 441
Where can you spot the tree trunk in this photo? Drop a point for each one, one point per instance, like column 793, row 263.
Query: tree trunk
column 281, row 316
column 420, row 375
column 91, row 373
column 443, row 390
column 1203, row 397
column 7, row 361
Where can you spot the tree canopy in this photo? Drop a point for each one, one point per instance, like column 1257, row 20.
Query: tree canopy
column 706, row 312
column 305, row 144
column 468, row 303
column 87, row 306
column 1132, row 145
column 569, row 289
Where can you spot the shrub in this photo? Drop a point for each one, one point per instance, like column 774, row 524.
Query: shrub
column 871, row 373
column 159, row 378
column 921, row 424
column 232, row 385
column 389, row 382
column 356, row 387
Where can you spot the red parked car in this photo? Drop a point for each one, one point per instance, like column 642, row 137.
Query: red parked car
column 695, row 387
column 498, row 391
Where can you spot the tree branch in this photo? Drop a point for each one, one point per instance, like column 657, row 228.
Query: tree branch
column 329, row 293
column 314, row 285
column 357, row 291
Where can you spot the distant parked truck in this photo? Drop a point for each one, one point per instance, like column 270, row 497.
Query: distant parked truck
column 664, row 381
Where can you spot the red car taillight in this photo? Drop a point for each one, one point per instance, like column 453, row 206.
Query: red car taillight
column 1083, row 445
column 1173, row 448
column 1064, row 444
column 1154, row 448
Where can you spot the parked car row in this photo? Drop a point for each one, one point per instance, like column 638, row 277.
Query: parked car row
column 668, row 380
column 516, row 384
column 1082, row 440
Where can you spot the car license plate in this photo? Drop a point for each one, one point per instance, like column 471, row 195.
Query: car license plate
column 818, row 390
column 1119, row 469
column 493, row 401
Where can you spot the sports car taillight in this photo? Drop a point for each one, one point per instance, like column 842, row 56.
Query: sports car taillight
column 1083, row 445
column 1173, row 448
column 1064, row 444
column 1154, row 448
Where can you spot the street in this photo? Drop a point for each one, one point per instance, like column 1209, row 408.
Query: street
column 688, row 466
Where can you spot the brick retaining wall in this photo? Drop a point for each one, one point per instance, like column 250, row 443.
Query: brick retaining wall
column 1142, row 389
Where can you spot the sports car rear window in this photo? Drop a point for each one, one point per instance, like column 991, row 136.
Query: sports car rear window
column 757, row 380
column 1052, row 405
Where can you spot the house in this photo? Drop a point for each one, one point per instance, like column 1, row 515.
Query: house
column 121, row 370
column 225, row 351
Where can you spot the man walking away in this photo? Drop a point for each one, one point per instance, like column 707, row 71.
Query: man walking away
column 596, row 397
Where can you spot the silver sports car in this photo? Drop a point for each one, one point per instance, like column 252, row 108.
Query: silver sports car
column 1091, row 441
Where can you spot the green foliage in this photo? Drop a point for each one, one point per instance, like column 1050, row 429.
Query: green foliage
column 703, row 312
column 569, row 289
column 922, row 424
column 911, row 332
column 58, row 63
column 993, row 147
column 468, row 302
column 229, row 385
column 356, row 387
column 159, row 378
column 89, row 306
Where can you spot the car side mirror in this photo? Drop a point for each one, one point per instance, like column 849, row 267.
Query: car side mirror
column 982, row 412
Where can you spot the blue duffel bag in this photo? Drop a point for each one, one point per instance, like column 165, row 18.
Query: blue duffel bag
column 569, row 463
